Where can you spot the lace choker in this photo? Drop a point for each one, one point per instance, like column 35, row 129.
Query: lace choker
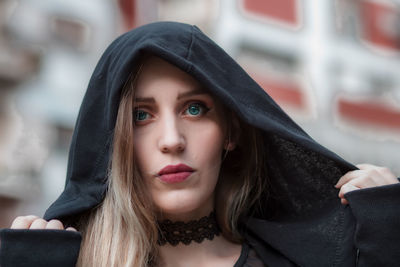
column 196, row 230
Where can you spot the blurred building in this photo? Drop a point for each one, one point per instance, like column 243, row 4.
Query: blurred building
column 333, row 65
column 20, row 156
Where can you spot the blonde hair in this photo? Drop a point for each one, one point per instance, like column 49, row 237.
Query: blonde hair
column 122, row 230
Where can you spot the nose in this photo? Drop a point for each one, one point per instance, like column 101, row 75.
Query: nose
column 171, row 137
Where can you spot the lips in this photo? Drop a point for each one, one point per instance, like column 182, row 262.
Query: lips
column 175, row 168
column 175, row 173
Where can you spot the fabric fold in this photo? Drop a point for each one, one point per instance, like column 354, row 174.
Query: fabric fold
column 39, row 248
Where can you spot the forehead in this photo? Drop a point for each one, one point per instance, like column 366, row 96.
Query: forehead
column 156, row 74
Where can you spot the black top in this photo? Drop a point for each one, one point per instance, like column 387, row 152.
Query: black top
column 61, row 248
column 301, row 223
column 248, row 258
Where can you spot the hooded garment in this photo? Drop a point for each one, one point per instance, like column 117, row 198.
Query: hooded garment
column 303, row 223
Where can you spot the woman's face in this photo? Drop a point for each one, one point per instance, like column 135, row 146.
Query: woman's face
column 179, row 136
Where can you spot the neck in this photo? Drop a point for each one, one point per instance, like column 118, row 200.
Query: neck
column 216, row 252
column 186, row 215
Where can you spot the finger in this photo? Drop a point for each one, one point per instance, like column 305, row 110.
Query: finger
column 23, row 222
column 55, row 224
column 38, row 224
column 372, row 178
column 348, row 177
column 365, row 166
column 71, row 229
column 346, row 188
column 344, row 201
column 382, row 172
column 365, row 181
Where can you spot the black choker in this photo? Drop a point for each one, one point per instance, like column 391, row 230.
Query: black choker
column 196, row 230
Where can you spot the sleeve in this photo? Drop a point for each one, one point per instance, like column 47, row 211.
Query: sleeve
column 377, row 232
column 39, row 248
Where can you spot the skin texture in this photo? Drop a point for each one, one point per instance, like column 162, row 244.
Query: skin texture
column 179, row 123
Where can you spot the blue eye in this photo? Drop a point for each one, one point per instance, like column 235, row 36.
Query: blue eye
column 141, row 115
column 196, row 109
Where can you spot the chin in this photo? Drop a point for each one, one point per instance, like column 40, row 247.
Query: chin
column 177, row 204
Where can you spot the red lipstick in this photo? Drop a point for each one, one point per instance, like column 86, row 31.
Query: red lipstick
column 175, row 173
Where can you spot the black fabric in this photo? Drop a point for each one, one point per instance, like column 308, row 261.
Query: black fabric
column 248, row 258
column 377, row 233
column 244, row 253
column 39, row 248
column 302, row 222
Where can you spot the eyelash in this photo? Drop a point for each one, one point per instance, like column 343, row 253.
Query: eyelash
column 136, row 114
column 200, row 104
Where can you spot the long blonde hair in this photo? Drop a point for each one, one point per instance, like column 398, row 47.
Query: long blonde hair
column 122, row 230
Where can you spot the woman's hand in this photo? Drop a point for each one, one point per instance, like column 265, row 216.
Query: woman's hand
column 34, row 222
column 367, row 176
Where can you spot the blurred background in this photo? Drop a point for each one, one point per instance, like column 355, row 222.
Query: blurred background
column 333, row 65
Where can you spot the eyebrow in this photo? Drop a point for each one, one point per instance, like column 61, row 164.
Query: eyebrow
column 191, row 93
column 145, row 99
column 180, row 96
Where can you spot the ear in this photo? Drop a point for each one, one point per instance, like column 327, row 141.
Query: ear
column 233, row 135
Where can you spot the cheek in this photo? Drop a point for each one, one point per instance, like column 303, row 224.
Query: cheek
column 141, row 151
column 206, row 145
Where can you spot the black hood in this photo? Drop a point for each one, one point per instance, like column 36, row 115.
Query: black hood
column 302, row 172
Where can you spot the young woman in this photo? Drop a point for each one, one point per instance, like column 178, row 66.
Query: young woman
column 180, row 159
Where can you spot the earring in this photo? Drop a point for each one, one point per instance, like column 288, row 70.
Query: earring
column 229, row 146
